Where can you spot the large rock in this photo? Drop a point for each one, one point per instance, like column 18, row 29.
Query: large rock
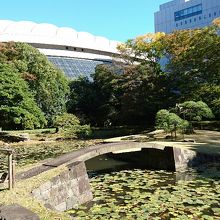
column 24, row 137
column 16, row 212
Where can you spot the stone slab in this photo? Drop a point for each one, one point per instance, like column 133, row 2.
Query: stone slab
column 16, row 212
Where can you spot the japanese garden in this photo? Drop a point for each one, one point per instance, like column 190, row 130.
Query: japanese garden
column 162, row 92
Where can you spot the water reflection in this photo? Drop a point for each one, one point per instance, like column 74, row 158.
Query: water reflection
column 106, row 164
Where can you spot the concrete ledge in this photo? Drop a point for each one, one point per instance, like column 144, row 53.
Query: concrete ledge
column 127, row 150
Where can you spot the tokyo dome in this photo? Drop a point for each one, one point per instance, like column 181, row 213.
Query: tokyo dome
column 76, row 53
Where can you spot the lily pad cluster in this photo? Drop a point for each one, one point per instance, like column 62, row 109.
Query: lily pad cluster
column 143, row 194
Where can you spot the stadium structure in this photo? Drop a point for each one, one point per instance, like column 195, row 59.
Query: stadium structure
column 76, row 53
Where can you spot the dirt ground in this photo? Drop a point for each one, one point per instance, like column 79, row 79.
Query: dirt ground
column 210, row 137
column 202, row 141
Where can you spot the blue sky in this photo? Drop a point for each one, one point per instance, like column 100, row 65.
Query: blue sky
column 114, row 19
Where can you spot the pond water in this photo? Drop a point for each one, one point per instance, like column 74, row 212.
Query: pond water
column 131, row 193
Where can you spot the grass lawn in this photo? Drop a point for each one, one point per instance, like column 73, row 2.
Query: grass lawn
column 21, row 195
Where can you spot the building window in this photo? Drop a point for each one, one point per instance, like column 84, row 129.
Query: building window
column 74, row 49
column 188, row 12
column 210, row 15
column 181, row 23
column 214, row 13
column 195, row 19
column 200, row 18
column 185, row 22
column 190, row 20
column 67, row 48
column 176, row 24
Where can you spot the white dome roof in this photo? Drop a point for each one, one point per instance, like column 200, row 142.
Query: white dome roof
column 47, row 30
column 67, row 33
column 4, row 24
column 22, row 27
column 30, row 32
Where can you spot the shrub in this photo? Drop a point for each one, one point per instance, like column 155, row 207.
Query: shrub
column 170, row 122
column 69, row 125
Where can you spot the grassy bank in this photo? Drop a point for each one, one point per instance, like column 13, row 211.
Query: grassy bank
column 21, row 195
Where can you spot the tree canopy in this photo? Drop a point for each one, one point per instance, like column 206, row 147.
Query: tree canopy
column 192, row 66
column 48, row 85
column 130, row 91
column 137, row 86
column 18, row 109
column 194, row 111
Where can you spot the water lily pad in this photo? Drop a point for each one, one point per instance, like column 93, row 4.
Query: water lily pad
column 143, row 194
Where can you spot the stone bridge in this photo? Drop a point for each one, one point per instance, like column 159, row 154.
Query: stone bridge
column 71, row 188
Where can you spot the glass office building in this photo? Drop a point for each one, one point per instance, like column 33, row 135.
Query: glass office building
column 186, row 14
column 74, row 67
column 75, row 53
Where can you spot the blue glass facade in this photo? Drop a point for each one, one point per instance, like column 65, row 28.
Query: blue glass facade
column 74, row 67
column 188, row 12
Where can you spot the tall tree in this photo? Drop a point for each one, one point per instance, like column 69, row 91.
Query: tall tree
column 193, row 64
column 18, row 110
column 83, row 100
column 48, row 85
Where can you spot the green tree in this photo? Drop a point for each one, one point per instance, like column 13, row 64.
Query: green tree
column 48, row 85
column 170, row 122
column 127, row 95
column 18, row 110
column 210, row 94
column 84, row 101
column 193, row 56
column 69, row 126
column 194, row 111
column 143, row 93
column 106, row 84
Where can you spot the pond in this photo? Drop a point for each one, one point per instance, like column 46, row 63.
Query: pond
column 148, row 194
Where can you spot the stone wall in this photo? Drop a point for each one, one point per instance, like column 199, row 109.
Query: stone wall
column 188, row 158
column 169, row 158
column 67, row 190
column 183, row 158
column 71, row 188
